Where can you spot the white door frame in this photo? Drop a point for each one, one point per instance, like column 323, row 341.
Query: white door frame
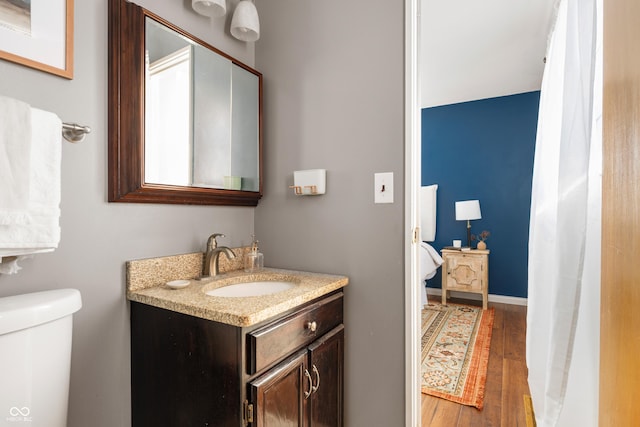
column 412, row 214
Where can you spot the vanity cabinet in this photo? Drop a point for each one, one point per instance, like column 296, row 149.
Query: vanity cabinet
column 304, row 390
column 286, row 371
column 465, row 271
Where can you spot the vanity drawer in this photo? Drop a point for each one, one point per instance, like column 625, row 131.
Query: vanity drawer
column 274, row 341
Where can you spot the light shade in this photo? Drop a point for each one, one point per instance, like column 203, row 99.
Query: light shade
column 467, row 210
column 245, row 24
column 211, row 8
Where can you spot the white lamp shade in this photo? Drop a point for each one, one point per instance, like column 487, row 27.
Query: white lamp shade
column 245, row 24
column 211, row 8
column 467, row 210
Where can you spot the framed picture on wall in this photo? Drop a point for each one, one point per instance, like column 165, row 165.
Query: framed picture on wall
column 38, row 34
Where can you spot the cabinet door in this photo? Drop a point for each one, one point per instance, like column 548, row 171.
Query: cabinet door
column 179, row 376
column 326, row 361
column 279, row 395
column 465, row 271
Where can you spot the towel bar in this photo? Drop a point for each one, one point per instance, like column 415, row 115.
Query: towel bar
column 73, row 132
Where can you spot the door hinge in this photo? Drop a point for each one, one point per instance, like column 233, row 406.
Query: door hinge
column 247, row 412
column 416, row 234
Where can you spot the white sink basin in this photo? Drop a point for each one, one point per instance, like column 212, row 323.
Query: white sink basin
column 251, row 289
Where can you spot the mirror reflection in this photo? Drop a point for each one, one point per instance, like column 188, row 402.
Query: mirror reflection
column 201, row 115
column 185, row 119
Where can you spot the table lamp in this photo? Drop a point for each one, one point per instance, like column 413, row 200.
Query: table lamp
column 467, row 210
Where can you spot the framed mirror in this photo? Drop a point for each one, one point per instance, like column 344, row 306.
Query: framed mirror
column 185, row 119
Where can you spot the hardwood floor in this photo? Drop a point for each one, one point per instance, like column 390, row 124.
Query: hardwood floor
column 506, row 378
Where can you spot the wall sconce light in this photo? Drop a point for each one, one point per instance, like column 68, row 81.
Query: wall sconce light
column 465, row 211
column 245, row 24
column 211, row 8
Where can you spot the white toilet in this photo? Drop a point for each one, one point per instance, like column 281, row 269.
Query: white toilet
column 35, row 357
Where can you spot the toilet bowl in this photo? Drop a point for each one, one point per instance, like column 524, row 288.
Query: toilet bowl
column 35, row 357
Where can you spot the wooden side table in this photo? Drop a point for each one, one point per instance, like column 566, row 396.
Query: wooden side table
column 465, row 271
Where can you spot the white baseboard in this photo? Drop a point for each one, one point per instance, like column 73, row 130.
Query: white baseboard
column 503, row 299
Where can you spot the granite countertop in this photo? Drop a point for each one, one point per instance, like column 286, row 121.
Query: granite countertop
column 239, row 311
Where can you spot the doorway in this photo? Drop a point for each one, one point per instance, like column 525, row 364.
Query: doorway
column 414, row 86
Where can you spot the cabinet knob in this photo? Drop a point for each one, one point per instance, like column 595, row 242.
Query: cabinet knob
column 312, row 326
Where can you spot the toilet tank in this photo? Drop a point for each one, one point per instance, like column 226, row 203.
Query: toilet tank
column 35, row 357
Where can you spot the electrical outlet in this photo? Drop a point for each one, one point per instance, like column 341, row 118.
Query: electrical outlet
column 383, row 187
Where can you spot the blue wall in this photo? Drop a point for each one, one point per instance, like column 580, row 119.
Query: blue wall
column 484, row 150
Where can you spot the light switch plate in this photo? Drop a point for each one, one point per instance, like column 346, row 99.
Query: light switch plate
column 383, row 187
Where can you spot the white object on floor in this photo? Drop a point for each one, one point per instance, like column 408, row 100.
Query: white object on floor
column 428, row 212
column 34, row 226
column 430, row 261
column 35, row 356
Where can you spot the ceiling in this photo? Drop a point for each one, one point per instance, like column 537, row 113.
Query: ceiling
column 481, row 49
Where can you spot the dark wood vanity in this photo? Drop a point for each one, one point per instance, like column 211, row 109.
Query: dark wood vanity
column 285, row 371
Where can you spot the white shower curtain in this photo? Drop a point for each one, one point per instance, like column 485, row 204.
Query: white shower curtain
column 564, row 254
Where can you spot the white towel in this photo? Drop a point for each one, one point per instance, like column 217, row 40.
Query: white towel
column 34, row 228
column 428, row 212
column 15, row 149
column 430, row 261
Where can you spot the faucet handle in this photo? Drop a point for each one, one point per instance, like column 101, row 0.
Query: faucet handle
column 212, row 243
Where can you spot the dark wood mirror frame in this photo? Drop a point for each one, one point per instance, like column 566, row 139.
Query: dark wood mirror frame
column 126, row 118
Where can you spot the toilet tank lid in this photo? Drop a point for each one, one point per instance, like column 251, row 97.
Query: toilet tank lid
column 27, row 310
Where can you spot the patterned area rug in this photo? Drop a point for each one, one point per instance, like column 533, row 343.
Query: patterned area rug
column 456, row 340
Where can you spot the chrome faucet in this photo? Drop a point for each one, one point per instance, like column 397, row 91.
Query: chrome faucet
column 212, row 256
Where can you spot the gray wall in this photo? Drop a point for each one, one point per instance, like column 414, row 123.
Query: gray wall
column 98, row 237
column 333, row 86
